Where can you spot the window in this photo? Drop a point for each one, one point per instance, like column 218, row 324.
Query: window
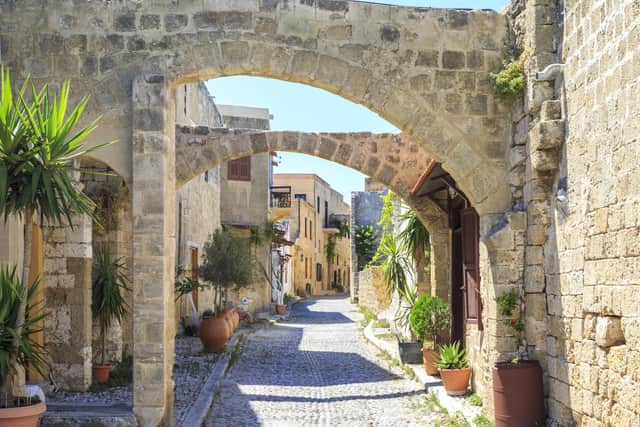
column 206, row 176
column 305, row 227
column 318, row 205
column 319, row 272
column 306, row 269
column 310, row 229
column 240, row 169
column 326, row 214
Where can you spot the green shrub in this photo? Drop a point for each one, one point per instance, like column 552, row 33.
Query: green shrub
column 429, row 318
column 510, row 81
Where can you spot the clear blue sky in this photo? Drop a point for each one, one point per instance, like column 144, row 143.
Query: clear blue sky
column 307, row 109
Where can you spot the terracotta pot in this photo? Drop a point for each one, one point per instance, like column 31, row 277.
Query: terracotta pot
column 455, row 381
column 518, row 394
column 281, row 309
column 236, row 318
column 214, row 332
column 25, row 416
column 227, row 318
column 429, row 358
column 101, row 372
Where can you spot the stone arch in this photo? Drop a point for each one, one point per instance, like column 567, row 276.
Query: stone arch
column 424, row 70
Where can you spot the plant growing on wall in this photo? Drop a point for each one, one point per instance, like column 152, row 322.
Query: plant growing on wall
column 415, row 241
column 110, row 200
column 508, row 305
column 109, row 284
column 227, row 262
column 366, row 242
column 39, row 143
column 510, row 81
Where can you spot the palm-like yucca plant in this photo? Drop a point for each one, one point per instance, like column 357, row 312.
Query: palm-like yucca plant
column 394, row 265
column 39, row 142
column 414, row 239
column 16, row 339
column 110, row 281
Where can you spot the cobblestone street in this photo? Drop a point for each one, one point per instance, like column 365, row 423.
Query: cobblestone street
column 315, row 369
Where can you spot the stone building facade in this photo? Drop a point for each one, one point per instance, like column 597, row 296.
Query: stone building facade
column 552, row 176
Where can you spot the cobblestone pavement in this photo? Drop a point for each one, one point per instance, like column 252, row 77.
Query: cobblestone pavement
column 313, row 370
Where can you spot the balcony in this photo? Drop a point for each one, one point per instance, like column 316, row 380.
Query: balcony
column 335, row 221
column 280, row 202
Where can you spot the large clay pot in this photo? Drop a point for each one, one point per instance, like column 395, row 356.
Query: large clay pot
column 101, row 372
column 429, row 358
column 214, row 332
column 281, row 309
column 227, row 317
column 236, row 317
column 455, row 381
column 518, row 394
column 25, row 416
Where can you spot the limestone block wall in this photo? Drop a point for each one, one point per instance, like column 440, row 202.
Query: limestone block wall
column 67, row 291
column 592, row 255
column 373, row 290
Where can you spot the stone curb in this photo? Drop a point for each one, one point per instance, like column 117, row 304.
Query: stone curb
column 199, row 409
column 431, row 384
column 69, row 414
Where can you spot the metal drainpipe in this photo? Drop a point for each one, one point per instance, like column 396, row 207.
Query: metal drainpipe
column 551, row 72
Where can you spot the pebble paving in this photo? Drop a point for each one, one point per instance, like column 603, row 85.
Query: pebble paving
column 313, row 370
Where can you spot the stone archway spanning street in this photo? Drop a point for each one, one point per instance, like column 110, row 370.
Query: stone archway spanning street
column 423, row 70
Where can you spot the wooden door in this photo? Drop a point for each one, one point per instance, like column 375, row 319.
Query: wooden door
column 470, row 265
column 457, row 287
column 194, row 274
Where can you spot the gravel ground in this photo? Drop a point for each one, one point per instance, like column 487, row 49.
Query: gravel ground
column 190, row 371
column 315, row 369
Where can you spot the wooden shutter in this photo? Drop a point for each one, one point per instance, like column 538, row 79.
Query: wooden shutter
column 470, row 265
column 194, row 275
column 240, row 169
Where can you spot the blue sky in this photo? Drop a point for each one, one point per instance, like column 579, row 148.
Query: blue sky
column 307, row 109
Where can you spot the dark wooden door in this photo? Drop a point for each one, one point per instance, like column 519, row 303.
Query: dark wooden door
column 457, row 285
column 194, row 274
column 470, row 265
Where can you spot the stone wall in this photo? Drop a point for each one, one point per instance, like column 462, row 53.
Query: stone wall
column 373, row 290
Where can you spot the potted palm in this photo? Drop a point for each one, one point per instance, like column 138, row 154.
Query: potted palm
column 454, row 369
column 227, row 262
column 39, row 145
column 429, row 319
column 24, row 410
column 107, row 301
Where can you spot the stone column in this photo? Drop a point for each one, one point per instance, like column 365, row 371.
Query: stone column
column 67, row 290
column 154, row 192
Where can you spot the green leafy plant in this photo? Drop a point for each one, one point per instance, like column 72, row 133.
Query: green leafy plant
column 366, row 243
column 110, row 200
column 227, row 262
column 16, row 339
column 416, row 242
column 452, row 357
column 110, row 282
column 385, row 226
column 185, row 285
column 508, row 306
column 510, row 81
column 474, row 400
column 394, row 266
column 429, row 318
column 39, row 145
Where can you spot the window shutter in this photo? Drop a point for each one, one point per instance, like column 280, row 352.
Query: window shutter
column 239, row 169
column 470, row 263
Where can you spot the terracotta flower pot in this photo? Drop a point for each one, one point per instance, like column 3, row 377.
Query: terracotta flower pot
column 518, row 394
column 281, row 309
column 101, row 372
column 455, row 381
column 429, row 358
column 214, row 332
column 236, row 318
column 24, row 416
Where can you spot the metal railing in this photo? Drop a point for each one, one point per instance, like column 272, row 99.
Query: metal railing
column 280, row 197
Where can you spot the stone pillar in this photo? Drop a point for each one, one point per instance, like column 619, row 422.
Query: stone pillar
column 154, row 192
column 67, row 290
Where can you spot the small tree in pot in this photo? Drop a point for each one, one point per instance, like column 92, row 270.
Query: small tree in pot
column 429, row 319
column 108, row 305
column 227, row 262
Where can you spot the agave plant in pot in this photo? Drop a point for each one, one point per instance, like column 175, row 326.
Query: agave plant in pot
column 454, row 368
column 429, row 319
column 108, row 304
column 40, row 144
column 227, row 262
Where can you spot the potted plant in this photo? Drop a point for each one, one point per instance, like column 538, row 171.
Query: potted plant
column 107, row 301
column 429, row 319
column 517, row 384
column 227, row 262
column 39, row 145
column 454, row 368
column 16, row 341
